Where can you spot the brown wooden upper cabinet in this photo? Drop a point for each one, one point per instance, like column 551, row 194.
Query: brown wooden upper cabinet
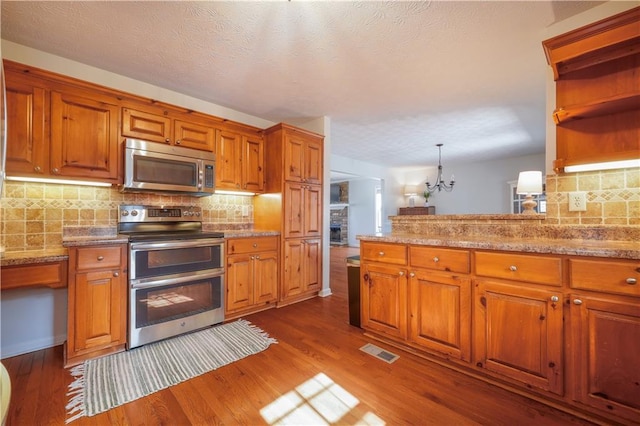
column 597, row 111
column 51, row 125
column 239, row 161
column 161, row 125
column 303, row 158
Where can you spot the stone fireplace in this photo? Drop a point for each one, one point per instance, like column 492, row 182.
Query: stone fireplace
column 339, row 226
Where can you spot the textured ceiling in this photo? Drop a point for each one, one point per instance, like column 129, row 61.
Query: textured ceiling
column 394, row 77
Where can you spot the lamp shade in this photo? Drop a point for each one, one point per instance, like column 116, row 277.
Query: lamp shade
column 410, row 190
column 529, row 182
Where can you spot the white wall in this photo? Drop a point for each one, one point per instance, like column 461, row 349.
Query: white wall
column 362, row 213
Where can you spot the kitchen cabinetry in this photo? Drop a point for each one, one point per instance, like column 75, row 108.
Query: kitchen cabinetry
column 384, row 288
column 519, row 326
column 52, row 125
column 161, row 125
column 292, row 204
column 251, row 275
column 46, row 274
column 239, row 161
column 597, row 93
column 605, row 316
column 97, row 302
column 440, row 301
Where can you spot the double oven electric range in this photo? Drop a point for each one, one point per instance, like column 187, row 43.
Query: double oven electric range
column 176, row 272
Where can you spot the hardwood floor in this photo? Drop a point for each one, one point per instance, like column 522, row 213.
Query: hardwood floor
column 316, row 374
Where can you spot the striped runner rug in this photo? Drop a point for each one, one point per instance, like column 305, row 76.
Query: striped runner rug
column 104, row 383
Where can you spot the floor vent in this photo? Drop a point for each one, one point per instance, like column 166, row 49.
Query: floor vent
column 379, row 353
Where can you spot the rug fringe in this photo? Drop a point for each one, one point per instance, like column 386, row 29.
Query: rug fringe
column 76, row 394
column 259, row 331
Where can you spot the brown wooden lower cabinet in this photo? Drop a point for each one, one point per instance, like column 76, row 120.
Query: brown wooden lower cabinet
column 559, row 328
column 251, row 276
column 97, row 302
column 301, row 268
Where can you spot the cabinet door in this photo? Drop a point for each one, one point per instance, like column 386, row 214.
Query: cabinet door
column 253, row 163
column 294, row 210
column 293, row 275
column 384, row 299
column 100, row 302
column 606, row 337
column 194, row 135
column 313, row 162
column 239, row 279
column 84, row 136
column 228, row 160
column 146, row 126
column 312, row 264
column 293, row 158
column 440, row 313
column 519, row 333
column 265, row 277
column 27, row 141
column 312, row 210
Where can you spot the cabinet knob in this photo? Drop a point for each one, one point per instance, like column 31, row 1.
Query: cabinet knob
column 436, row 260
column 258, row 256
column 631, row 281
column 513, row 268
column 401, row 273
column 116, row 274
column 554, row 298
column 381, row 253
column 577, row 302
column 178, row 142
column 252, row 257
column 255, row 245
column 55, row 171
column 37, row 169
column 412, row 274
column 100, row 258
column 167, row 140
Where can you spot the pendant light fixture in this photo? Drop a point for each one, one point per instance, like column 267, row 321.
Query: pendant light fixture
column 440, row 184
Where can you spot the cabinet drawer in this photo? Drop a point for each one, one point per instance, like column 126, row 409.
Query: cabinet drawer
column 440, row 259
column 53, row 275
column 385, row 253
column 98, row 257
column 534, row 269
column 608, row 276
column 252, row 245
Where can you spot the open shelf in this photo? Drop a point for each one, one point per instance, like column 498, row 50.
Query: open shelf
column 611, row 105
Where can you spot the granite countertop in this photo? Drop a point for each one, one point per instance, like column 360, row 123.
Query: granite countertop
column 598, row 248
column 26, row 257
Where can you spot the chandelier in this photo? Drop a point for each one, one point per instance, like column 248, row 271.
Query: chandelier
column 440, row 185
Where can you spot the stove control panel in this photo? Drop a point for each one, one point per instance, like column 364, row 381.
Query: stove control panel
column 138, row 213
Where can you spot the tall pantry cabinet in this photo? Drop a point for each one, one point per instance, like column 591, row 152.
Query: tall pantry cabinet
column 292, row 204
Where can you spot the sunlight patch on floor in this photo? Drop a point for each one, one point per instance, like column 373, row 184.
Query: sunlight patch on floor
column 318, row 401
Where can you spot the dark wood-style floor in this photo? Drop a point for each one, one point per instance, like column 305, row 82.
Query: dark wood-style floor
column 316, row 374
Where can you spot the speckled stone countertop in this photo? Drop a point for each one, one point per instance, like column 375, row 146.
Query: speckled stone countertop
column 26, row 257
column 598, row 248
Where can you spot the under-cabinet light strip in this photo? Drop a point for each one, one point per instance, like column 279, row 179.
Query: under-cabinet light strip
column 602, row 166
column 57, row 181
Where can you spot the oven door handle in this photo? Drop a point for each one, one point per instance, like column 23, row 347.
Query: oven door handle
column 177, row 245
column 193, row 276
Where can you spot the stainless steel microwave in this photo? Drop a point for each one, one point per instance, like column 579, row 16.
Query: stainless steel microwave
column 166, row 169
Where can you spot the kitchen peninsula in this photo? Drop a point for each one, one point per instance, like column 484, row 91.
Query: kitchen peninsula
column 546, row 310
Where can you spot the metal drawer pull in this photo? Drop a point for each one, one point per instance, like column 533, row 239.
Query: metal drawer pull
column 116, row 274
column 401, row 273
column 100, row 258
column 554, row 298
column 631, row 281
column 435, row 259
column 513, row 268
column 381, row 253
column 412, row 274
column 577, row 302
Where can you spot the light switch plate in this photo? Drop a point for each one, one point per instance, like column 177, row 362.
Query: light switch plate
column 577, row 201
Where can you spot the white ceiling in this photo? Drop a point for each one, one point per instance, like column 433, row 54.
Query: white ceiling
column 395, row 78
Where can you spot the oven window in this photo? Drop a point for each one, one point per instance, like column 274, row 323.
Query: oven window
column 153, row 263
column 158, row 170
column 161, row 304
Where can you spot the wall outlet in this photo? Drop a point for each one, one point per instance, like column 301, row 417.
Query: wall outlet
column 577, row 201
column 245, row 211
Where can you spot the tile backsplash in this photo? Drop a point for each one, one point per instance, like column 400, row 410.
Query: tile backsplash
column 32, row 215
column 613, row 197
